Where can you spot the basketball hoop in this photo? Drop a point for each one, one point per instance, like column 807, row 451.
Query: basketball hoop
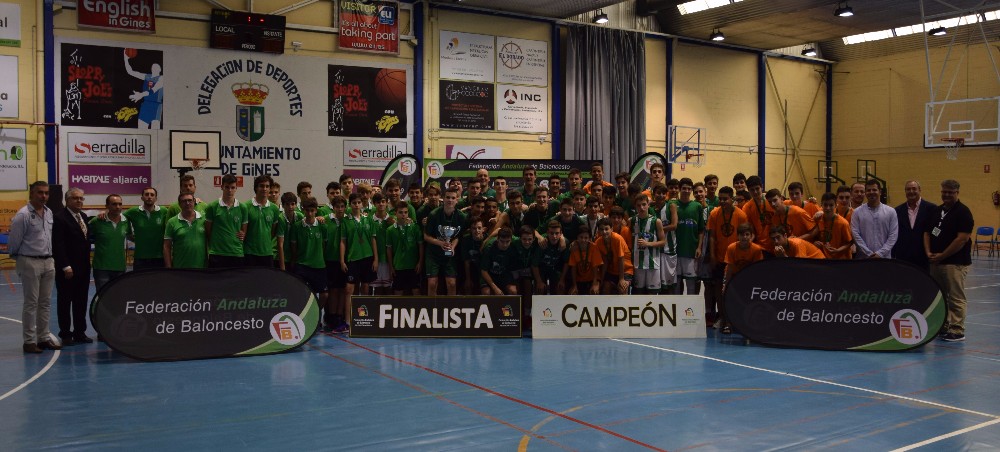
column 951, row 149
column 694, row 159
column 196, row 164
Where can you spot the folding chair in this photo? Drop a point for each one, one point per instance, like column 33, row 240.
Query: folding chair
column 991, row 241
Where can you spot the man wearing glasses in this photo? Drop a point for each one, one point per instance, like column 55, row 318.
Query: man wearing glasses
column 184, row 244
column 949, row 250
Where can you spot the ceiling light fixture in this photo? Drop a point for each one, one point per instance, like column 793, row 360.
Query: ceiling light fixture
column 939, row 31
column 601, row 18
column 809, row 51
column 843, row 10
column 717, row 35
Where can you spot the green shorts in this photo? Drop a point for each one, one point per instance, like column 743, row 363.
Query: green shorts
column 444, row 267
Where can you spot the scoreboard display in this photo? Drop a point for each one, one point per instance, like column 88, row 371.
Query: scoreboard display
column 237, row 30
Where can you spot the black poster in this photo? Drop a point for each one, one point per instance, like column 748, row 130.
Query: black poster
column 486, row 316
column 366, row 102
column 166, row 315
column 467, row 105
column 111, row 87
column 874, row 305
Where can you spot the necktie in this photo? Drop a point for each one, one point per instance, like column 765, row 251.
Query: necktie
column 83, row 226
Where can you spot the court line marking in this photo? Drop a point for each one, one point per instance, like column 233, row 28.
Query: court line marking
column 983, row 324
column 504, row 396
column 814, row 380
column 980, row 287
column 38, row 375
column 946, row 436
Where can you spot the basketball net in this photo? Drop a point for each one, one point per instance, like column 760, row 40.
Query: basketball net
column 951, row 150
column 196, row 164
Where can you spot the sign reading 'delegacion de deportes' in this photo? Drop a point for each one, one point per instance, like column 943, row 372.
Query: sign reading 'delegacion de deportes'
column 621, row 316
column 486, row 316
column 168, row 315
column 873, row 305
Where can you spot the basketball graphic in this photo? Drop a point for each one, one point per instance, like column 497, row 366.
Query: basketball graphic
column 390, row 87
column 131, row 53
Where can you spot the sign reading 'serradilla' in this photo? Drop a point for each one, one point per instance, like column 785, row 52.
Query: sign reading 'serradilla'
column 486, row 316
column 622, row 316
column 165, row 315
column 874, row 304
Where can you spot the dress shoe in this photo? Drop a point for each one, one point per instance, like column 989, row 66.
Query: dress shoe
column 82, row 340
column 32, row 348
column 49, row 345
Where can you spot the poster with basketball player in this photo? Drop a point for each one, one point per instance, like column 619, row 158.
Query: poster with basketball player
column 366, row 102
column 467, row 105
column 111, row 87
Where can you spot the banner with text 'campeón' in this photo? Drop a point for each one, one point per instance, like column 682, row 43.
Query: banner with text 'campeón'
column 872, row 305
column 168, row 315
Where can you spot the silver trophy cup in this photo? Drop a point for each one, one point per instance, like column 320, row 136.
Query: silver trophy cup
column 446, row 233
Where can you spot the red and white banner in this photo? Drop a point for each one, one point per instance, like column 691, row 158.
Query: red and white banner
column 124, row 15
column 369, row 26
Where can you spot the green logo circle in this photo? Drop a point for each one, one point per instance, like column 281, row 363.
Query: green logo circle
column 16, row 153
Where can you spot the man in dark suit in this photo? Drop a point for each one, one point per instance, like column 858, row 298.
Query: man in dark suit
column 912, row 216
column 71, row 250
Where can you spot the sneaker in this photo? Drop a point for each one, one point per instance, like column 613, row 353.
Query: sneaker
column 953, row 337
column 342, row 329
column 718, row 323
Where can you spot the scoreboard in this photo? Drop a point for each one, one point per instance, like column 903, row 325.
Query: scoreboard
column 237, row 30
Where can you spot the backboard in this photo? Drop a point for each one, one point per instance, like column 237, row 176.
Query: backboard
column 686, row 145
column 975, row 121
column 187, row 147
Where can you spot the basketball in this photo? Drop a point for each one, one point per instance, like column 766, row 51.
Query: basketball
column 131, row 53
column 390, row 87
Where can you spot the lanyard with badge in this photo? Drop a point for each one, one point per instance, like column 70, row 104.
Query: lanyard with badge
column 937, row 229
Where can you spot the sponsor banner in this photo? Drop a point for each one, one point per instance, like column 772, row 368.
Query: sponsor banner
column 876, row 304
column 372, row 153
column 370, row 176
column 522, row 62
column 108, row 148
column 466, row 105
column 463, row 151
column 7, row 211
column 129, row 15
column 484, row 316
column 111, row 86
column 13, row 159
column 443, row 170
column 466, row 56
column 108, row 179
column 10, row 25
column 522, row 109
column 622, row 316
column 369, row 26
column 167, row 315
column 8, row 87
column 366, row 102
column 640, row 168
column 405, row 168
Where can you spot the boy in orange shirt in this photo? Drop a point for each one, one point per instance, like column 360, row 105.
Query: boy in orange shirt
column 796, row 221
column 759, row 213
column 795, row 199
column 721, row 232
column 833, row 235
column 584, row 265
column 785, row 246
column 617, row 270
column 738, row 255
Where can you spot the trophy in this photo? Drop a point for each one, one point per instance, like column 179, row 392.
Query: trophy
column 446, row 233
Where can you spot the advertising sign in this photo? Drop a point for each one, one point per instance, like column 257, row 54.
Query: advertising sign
column 369, row 26
column 168, row 315
column 372, row 153
column 873, row 305
column 8, row 86
column 7, row 211
column 370, row 176
column 108, row 179
column 522, row 109
column 491, row 316
column 10, row 25
column 522, row 62
column 405, row 168
column 13, row 159
column 466, row 105
column 367, row 102
column 132, row 15
column 465, row 151
column 442, row 170
column 621, row 316
column 466, row 56
column 108, row 148
column 111, row 86
column 640, row 168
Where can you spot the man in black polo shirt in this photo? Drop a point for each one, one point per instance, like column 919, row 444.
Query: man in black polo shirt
column 949, row 251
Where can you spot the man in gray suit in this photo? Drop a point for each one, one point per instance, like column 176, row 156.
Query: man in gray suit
column 912, row 216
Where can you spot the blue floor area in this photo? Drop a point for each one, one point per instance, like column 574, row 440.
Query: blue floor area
column 339, row 393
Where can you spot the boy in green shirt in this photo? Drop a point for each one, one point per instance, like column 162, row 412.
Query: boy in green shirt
column 358, row 258
column 226, row 227
column 382, row 218
column 289, row 216
column 108, row 235
column 404, row 249
column 440, row 259
column 336, row 278
column 184, row 244
column 188, row 185
column 262, row 222
column 308, row 237
column 148, row 222
column 548, row 263
column 496, row 264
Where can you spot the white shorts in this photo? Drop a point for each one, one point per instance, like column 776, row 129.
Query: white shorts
column 668, row 269
column 647, row 278
column 687, row 267
column 382, row 277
